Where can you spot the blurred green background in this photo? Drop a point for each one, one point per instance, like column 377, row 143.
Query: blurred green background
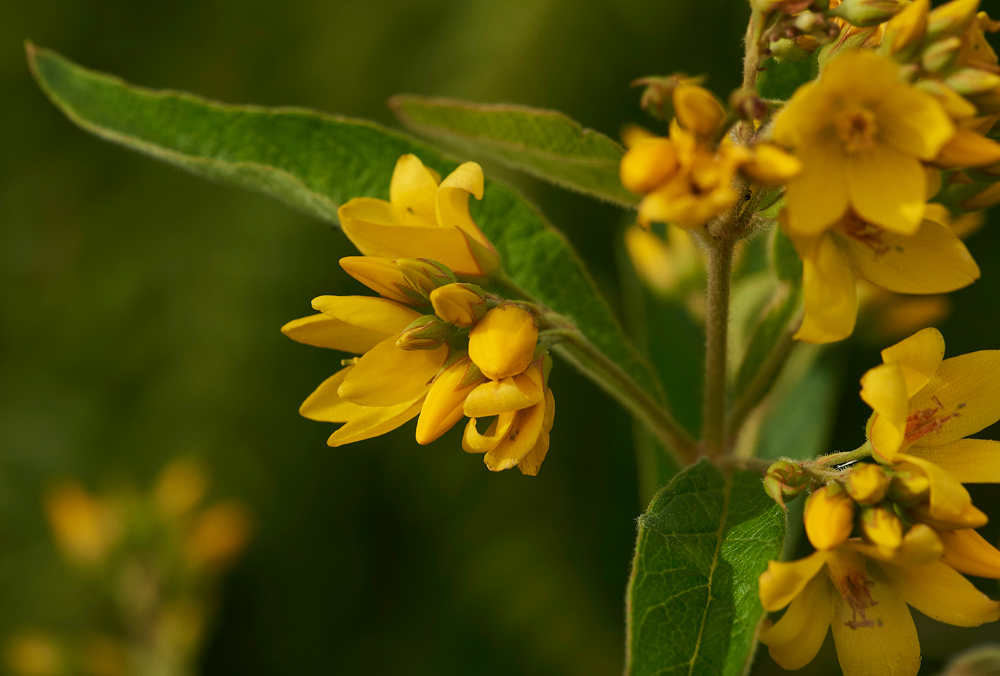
column 139, row 316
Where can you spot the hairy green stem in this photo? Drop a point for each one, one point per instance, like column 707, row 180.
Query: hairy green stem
column 720, row 270
column 861, row 453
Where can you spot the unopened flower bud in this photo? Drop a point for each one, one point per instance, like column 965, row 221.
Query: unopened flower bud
column 459, row 304
column 972, row 81
column 882, row 528
column 956, row 106
column 904, row 33
column 941, row 55
column 425, row 275
column 444, row 404
column 424, row 333
column 697, row 110
column 867, row 484
column 863, row 13
column 984, row 199
column 908, row 488
column 809, row 22
column 648, row 164
column 785, row 481
column 951, row 18
column 657, row 97
column 503, row 343
column 383, row 276
column 792, row 50
column 829, row 517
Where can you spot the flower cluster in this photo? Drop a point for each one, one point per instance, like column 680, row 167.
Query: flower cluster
column 903, row 93
column 431, row 346
column 899, row 531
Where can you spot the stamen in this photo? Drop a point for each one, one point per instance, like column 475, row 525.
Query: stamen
column 924, row 421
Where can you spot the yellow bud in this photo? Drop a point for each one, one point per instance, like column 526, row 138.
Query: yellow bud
column 771, row 166
column 951, row 18
column 444, row 404
column 649, row 163
column 867, row 484
column 882, row 528
column 904, row 33
column 180, row 486
column 863, row 13
column 424, row 333
column 698, row 110
column 941, row 55
column 84, row 528
column 908, row 488
column 503, row 342
column 217, row 536
column 425, row 275
column 968, row 149
column 382, row 276
column 459, row 304
column 955, row 105
column 973, row 82
column 829, row 517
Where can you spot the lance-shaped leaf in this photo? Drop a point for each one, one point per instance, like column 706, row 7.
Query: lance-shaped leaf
column 544, row 143
column 316, row 161
column 692, row 599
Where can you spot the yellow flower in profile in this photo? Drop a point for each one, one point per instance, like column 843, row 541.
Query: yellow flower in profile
column 503, row 343
column 861, row 136
column 930, row 260
column 861, row 591
column 425, row 217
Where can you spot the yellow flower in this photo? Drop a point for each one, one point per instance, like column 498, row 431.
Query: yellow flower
column 931, row 260
column 425, row 217
column 217, row 536
column 503, row 343
column 664, row 265
column 829, row 517
column 84, row 527
column 862, row 591
column 697, row 110
column 861, row 135
column 524, row 410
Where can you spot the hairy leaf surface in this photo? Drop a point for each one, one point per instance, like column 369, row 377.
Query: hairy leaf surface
column 693, row 607
column 544, row 143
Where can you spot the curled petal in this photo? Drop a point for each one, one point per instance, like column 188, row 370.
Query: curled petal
column 519, row 441
column 884, row 389
column 505, row 395
column 474, row 442
column 918, row 356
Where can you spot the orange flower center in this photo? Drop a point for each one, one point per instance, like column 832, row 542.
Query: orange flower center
column 864, row 232
column 928, row 420
column 856, row 127
column 847, row 571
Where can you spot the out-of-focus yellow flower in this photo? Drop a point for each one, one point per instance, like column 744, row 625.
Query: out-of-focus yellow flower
column 180, row 487
column 34, row 654
column 867, row 484
column 862, row 591
column 886, row 317
column 829, row 517
column 503, row 343
column 425, row 217
column 524, row 410
column 951, row 18
column 861, row 135
column 217, row 536
column 105, row 656
column 664, row 265
column 697, row 110
column 84, row 527
column 930, row 260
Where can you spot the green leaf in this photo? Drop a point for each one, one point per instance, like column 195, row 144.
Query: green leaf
column 693, row 606
column 315, row 162
column 544, row 143
column 778, row 81
column 759, row 357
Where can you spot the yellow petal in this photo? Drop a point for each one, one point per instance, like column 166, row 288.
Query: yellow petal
column 784, row 580
column 647, row 164
column 968, row 149
column 519, row 440
column 967, row 388
column 449, row 246
column 913, row 122
column 970, row 461
column 802, row 116
column 381, row 275
column 375, row 421
column 948, row 498
column 443, row 406
column 830, row 294
column 921, row 545
column 890, row 647
column 919, row 356
column 532, row 462
column 818, row 197
column 771, row 166
column 884, row 389
column 453, row 201
column 697, row 110
column 796, row 638
column 325, row 405
column 388, row 375
column 942, row 593
column 968, row 552
column 365, row 312
column 505, row 395
column 323, row 331
column 371, row 210
column 932, row 260
column 414, row 188
column 474, row 442
column 503, row 343
column 843, row 75
column 887, row 188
